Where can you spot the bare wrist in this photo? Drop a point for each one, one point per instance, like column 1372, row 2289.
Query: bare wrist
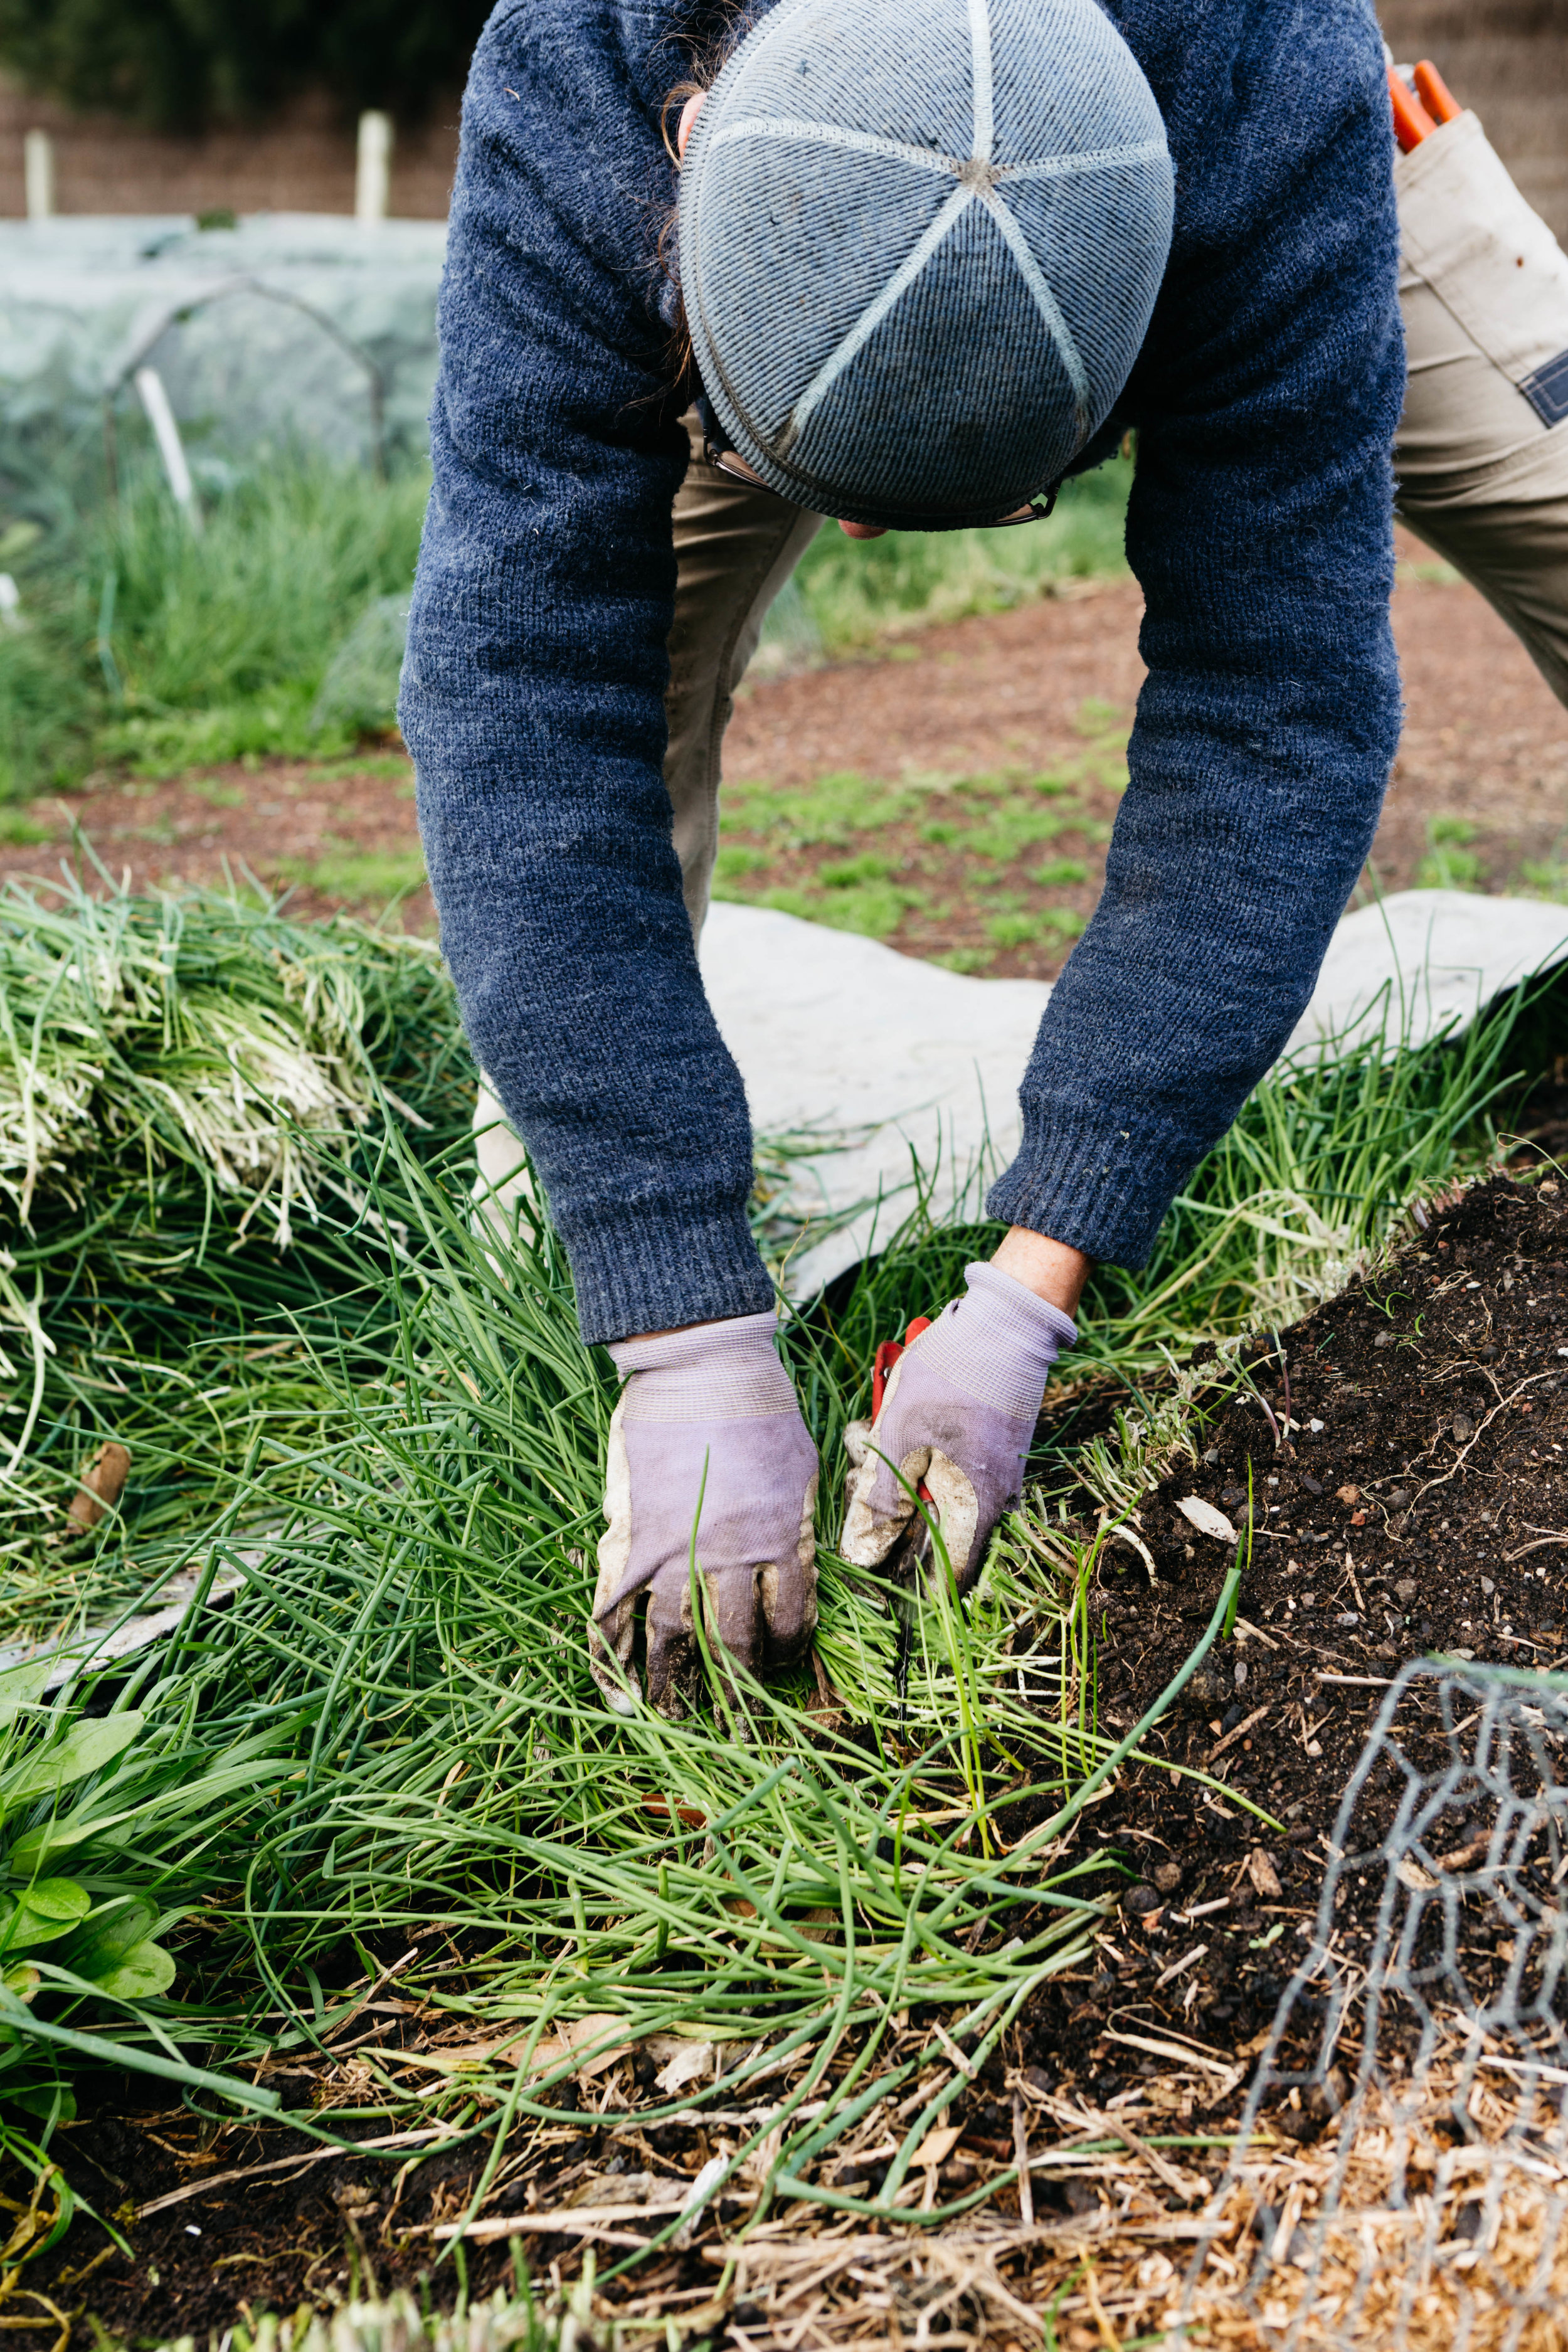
column 1050, row 1269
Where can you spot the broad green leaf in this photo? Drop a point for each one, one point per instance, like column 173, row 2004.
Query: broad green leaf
column 21, row 1981
column 57, row 1899
column 48, row 1838
column 145, row 1970
column 108, row 1933
column 85, row 1749
column 41, row 2100
column 48, row 1909
column 23, row 1685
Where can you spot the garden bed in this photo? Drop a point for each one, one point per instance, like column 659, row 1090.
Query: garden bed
column 1406, row 1495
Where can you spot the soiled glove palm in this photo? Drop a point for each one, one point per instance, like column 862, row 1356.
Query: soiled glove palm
column 958, row 1413
column 707, row 1413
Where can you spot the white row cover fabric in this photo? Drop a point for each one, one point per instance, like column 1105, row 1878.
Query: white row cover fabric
column 892, row 1062
column 885, row 1057
column 290, row 326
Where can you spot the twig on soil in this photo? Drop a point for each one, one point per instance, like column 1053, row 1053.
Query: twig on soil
column 1241, row 1729
column 286, row 2163
column 1532, row 1380
column 1117, row 2130
column 1284, row 1376
column 1268, row 1412
column 360, row 2005
column 1021, row 2150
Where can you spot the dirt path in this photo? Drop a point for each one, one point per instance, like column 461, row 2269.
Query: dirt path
column 953, row 796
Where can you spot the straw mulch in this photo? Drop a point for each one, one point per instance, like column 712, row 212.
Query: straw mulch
column 1390, row 2231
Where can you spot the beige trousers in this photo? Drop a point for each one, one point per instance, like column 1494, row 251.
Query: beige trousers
column 1482, row 452
column 734, row 549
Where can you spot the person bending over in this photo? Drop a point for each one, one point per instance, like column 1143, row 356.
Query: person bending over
column 919, row 261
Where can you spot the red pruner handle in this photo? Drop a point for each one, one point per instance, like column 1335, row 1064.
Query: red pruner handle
column 888, row 1355
column 1412, row 123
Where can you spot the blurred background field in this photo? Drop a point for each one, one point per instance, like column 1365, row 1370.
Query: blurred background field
column 932, row 752
column 138, row 643
column 930, row 746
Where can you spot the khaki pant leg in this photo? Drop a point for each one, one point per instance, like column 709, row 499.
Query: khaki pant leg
column 1482, row 472
column 735, row 547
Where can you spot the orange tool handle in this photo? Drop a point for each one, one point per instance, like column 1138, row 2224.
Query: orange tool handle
column 888, row 1355
column 1435, row 94
column 1412, row 123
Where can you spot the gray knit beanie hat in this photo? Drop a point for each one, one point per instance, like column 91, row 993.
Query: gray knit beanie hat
column 921, row 241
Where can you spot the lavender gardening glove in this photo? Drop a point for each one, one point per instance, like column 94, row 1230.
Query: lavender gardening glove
column 714, row 1398
column 958, row 1412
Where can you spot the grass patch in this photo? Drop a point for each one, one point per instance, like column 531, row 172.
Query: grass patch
column 389, row 1436
column 868, row 855
column 849, row 593
column 361, row 877
column 146, row 645
column 18, row 831
column 1449, row 863
column 1546, row 879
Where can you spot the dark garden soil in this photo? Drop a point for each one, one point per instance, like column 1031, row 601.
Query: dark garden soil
column 1408, row 1498
column 901, row 795
column 1418, row 1506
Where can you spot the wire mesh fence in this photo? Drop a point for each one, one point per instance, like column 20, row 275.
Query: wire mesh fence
column 1401, row 2174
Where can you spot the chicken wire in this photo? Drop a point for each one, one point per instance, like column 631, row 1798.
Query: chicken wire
column 1423, row 2030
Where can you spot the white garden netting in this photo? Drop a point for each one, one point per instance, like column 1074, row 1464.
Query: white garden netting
column 289, row 328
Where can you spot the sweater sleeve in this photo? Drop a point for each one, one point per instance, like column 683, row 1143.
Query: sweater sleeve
column 1260, row 528
column 533, row 685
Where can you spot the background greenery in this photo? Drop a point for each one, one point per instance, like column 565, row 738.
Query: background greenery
column 278, row 627
column 849, row 592
column 145, row 642
column 176, row 64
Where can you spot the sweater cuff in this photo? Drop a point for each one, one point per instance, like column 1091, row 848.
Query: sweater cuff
column 1091, row 1182
column 652, row 1270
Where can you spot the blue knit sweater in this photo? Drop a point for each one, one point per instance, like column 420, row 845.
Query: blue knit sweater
column 1266, row 399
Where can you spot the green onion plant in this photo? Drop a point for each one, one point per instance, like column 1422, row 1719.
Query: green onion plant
column 370, row 1449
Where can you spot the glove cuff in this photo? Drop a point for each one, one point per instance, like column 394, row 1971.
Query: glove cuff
column 1019, row 1318
column 725, row 1371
